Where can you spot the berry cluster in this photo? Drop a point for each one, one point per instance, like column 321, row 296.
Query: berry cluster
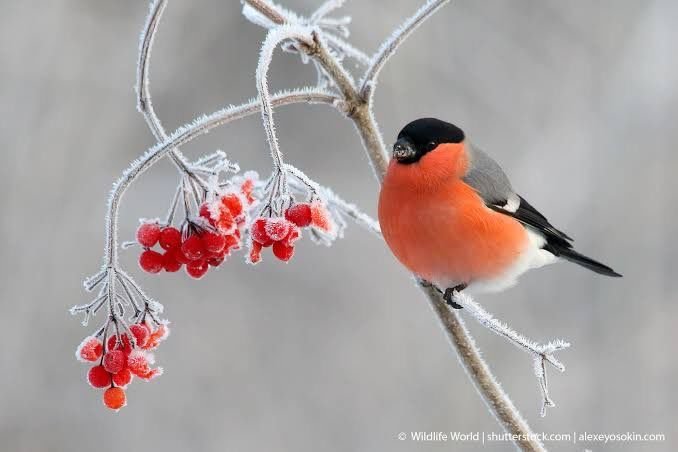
column 121, row 358
column 203, row 242
column 281, row 233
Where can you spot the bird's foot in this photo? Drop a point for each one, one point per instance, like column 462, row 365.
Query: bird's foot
column 450, row 294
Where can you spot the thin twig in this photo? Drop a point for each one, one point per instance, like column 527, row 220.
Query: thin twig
column 389, row 47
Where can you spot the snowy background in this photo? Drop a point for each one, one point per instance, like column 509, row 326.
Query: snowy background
column 338, row 351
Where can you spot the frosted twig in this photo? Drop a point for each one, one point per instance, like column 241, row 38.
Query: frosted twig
column 541, row 353
column 347, row 48
column 324, row 9
column 144, row 102
column 389, row 47
column 274, row 37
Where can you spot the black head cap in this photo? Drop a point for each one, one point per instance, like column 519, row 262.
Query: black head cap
column 422, row 136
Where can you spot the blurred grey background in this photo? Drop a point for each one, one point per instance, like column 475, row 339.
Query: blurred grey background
column 338, row 351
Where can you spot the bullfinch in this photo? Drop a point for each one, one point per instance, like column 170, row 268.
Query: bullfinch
column 449, row 214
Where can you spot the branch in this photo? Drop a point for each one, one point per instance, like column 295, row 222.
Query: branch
column 480, row 374
column 144, row 102
column 541, row 353
column 273, row 38
column 389, row 47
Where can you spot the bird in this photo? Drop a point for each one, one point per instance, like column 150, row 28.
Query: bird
column 450, row 215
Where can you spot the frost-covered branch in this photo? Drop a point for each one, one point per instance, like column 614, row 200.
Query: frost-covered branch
column 541, row 353
column 389, row 47
column 144, row 101
column 273, row 39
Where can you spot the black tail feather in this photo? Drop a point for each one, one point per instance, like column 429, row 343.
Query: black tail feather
column 571, row 255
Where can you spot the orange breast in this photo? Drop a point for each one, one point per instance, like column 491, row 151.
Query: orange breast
column 443, row 232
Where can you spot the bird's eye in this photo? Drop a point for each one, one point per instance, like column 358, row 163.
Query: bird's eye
column 432, row 144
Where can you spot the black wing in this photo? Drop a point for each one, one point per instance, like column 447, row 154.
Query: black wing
column 530, row 216
column 557, row 242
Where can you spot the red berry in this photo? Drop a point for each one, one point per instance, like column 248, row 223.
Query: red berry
column 148, row 234
column 150, row 261
column 255, row 252
column 197, row 269
column 114, row 398
column 170, row 238
column 213, row 243
column 215, row 261
column 259, row 233
column 122, row 378
column 277, row 228
column 90, row 349
column 233, row 203
column 320, row 217
column 138, row 363
column 124, row 344
column 299, row 214
column 232, row 242
column 225, row 221
column 193, row 248
column 282, row 251
column 98, row 377
column 114, row 361
column 170, row 261
column 205, row 212
column 292, row 236
column 140, row 333
column 247, row 188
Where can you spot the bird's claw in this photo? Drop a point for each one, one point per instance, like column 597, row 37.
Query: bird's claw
column 450, row 295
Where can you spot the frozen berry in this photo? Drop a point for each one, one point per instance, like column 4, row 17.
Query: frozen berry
column 114, row 398
column 247, row 188
column 255, row 253
column 170, row 238
column 292, row 236
column 282, row 251
column 123, row 344
column 122, row 378
column 137, row 362
column 320, row 217
column 90, row 349
column 232, row 242
column 98, row 377
column 215, row 261
column 170, row 261
column 114, row 361
column 213, row 243
column 197, row 269
column 140, row 333
column 277, row 228
column 193, row 248
column 156, row 337
column 259, row 233
column 225, row 220
column 299, row 214
column 148, row 234
column 150, row 261
column 205, row 213
column 233, row 203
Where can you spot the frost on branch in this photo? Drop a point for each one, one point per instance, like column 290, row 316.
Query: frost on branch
column 541, row 353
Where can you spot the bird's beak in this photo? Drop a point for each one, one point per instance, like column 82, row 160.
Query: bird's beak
column 403, row 150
